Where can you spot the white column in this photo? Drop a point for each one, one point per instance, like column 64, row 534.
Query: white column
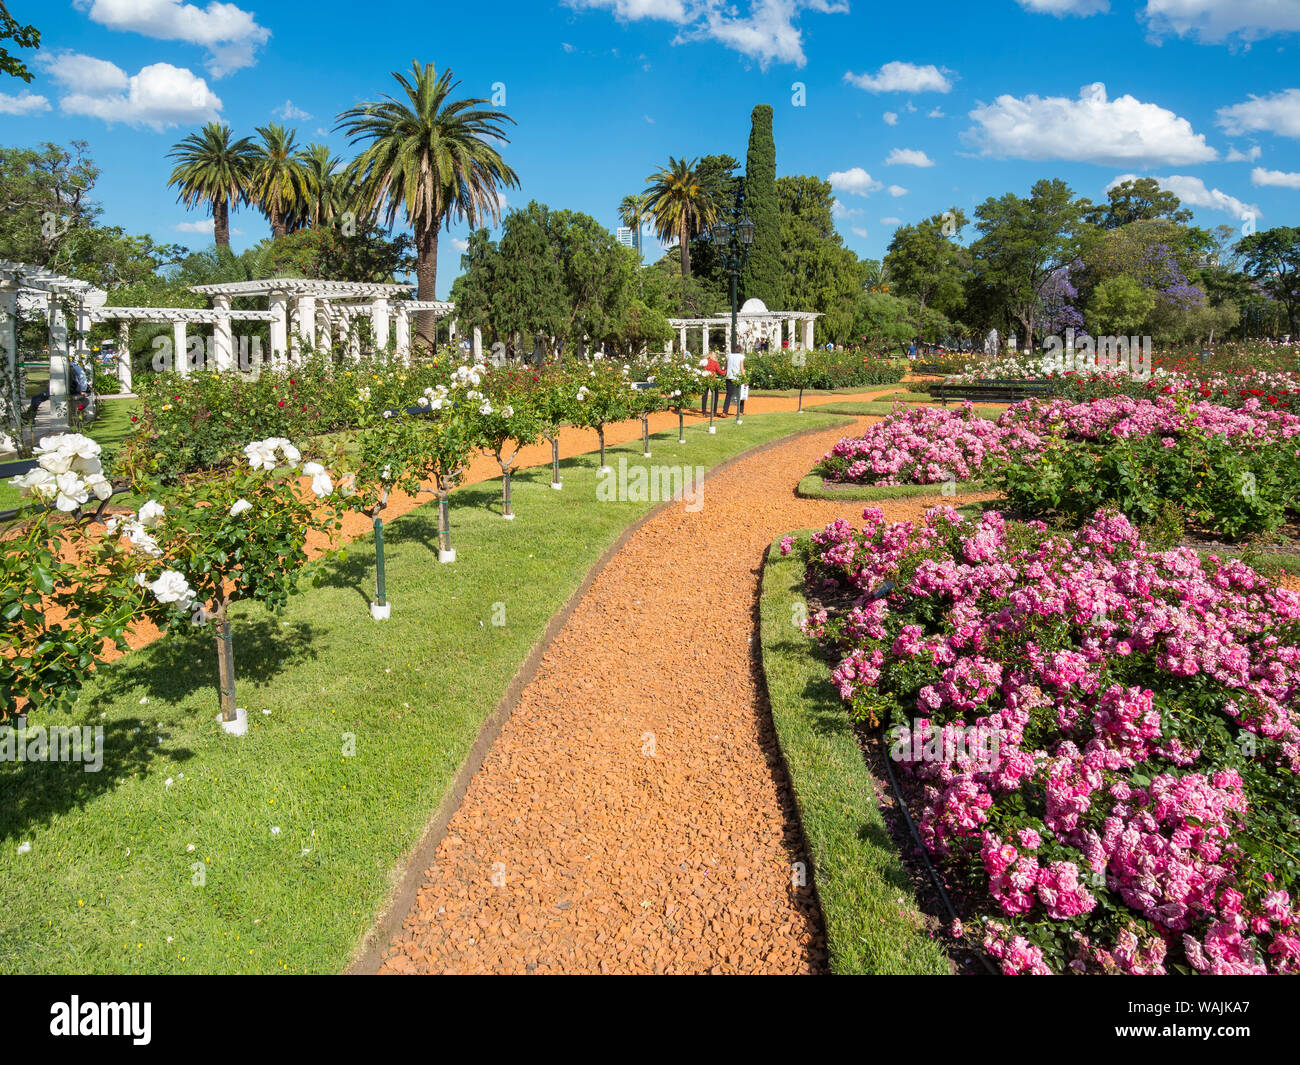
column 451, row 332
column 478, row 344
column 9, row 346
column 727, row 331
column 223, row 343
column 304, row 313
column 353, row 336
column 808, row 333
column 402, row 345
column 124, row 355
column 683, row 335
column 58, row 334
column 180, row 357
column 326, row 314
column 704, row 339
column 279, row 305
column 379, row 322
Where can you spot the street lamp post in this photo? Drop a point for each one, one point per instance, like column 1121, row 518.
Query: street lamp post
column 733, row 240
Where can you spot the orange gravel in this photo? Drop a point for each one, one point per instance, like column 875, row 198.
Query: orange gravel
column 632, row 817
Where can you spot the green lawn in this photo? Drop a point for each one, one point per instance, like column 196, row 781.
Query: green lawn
column 109, row 882
column 814, row 487
column 884, row 407
column 873, row 924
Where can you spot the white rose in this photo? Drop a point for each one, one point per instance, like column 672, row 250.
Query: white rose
column 261, row 455
column 320, row 480
column 38, row 483
column 239, row 506
column 72, row 492
column 172, row 587
column 291, row 454
column 100, row 485
column 150, row 514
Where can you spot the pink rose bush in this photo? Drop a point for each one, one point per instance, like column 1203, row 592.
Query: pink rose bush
column 1136, row 810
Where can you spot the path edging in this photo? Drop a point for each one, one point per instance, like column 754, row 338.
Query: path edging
column 369, row 955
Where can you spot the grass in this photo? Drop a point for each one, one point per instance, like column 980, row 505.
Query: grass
column 814, row 487
column 110, row 883
column 813, row 393
column 873, row 923
column 881, row 408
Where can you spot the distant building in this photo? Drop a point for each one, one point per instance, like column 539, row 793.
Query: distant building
column 627, row 236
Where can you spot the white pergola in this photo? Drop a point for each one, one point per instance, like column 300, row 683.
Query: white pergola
column 754, row 323
column 308, row 310
column 62, row 297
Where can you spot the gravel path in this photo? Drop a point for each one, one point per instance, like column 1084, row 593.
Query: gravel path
column 632, row 816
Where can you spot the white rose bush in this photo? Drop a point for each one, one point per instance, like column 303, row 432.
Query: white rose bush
column 69, row 596
column 233, row 534
column 507, row 419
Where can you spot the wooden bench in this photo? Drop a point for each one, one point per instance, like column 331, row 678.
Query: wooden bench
column 992, row 391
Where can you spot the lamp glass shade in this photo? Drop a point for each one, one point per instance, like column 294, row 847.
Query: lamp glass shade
column 721, row 235
column 745, row 230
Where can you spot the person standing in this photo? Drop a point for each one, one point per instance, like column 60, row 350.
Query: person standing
column 735, row 370
column 712, row 367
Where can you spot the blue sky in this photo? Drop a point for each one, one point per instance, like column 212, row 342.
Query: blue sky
column 907, row 108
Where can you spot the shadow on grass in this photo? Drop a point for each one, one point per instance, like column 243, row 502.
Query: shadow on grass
column 185, row 663
column 33, row 793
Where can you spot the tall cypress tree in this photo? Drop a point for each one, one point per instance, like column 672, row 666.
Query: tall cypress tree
column 763, row 276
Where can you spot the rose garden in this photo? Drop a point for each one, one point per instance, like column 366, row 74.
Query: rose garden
column 484, row 635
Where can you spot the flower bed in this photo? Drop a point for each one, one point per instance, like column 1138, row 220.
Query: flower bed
column 1102, row 740
column 922, row 445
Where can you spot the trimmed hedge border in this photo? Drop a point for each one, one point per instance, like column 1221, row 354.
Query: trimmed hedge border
column 814, row 487
column 873, row 923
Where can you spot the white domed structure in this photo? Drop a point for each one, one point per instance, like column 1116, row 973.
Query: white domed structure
column 754, row 305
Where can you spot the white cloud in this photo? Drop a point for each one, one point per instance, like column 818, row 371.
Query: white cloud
column 1250, row 156
column 1217, row 20
column 459, row 244
column 897, row 190
column 287, row 112
column 853, row 182
column 902, row 77
column 768, row 34
column 1091, row 129
column 26, row 103
column 891, row 118
column 908, row 157
column 205, row 227
column 1192, row 191
column 936, row 113
column 160, row 95
column 891, row 221
column 1277, row 113
column 230, row 34
column 838, row 210
column 858, row 231
column 1278, row 179
column 1060, row 8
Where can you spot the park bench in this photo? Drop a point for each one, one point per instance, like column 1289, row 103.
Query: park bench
column 992, row 391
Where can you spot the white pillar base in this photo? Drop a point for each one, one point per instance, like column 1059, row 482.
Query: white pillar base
column 557, row 485
column 508, row 517
column 446, row 556
column 381, row 613
column 713, row 428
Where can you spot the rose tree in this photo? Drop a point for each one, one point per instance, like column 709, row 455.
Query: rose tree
column 506, row 419
column 239, row 533
column 67, row 595
column 602, row 396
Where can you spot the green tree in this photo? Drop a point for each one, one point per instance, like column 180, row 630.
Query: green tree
column 764, row 273
column 682, row 204
column 1119, row 306
column 820, row 273
column 1272, row 259
column 1137, row 200
column 926, row 262
column 529, row 297
column 326, row 189
column 597, row 275
column 280, row 183
column 213, row 168
column 1022, row 241
column 23, row 36
column 434, row 157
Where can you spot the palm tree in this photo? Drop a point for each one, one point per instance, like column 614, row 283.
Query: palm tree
column 681, row 204
column 432, row 156
column 280, row 183
column 634, row 212
column 324, row 187
column 212, row 168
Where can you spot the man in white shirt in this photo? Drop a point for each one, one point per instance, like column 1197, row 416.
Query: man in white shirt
column 735, row 370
